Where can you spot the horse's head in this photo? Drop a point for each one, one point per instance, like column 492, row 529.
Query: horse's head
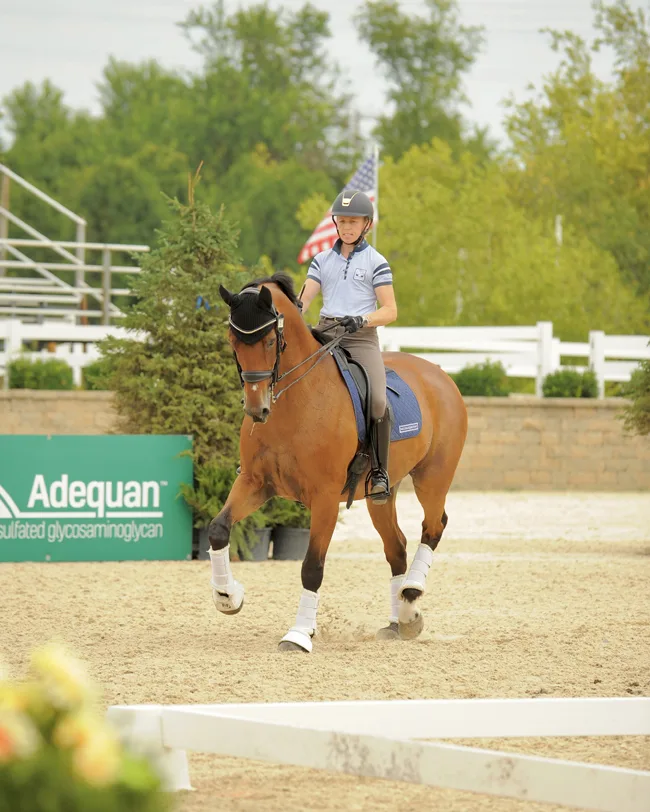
column 257, row 339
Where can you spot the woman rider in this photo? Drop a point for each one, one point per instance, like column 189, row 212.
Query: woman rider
column 354, row 278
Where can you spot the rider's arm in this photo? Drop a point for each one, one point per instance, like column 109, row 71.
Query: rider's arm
column 387, row 311
column 308, row 293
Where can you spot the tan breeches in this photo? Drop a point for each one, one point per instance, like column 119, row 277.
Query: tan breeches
column 363, row 346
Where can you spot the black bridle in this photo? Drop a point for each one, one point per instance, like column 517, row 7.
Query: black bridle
column 277, row 322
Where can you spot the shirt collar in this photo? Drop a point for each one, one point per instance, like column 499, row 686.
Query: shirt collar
column 361, row 247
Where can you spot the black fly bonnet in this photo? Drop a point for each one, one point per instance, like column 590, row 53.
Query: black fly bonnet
column 253, row 314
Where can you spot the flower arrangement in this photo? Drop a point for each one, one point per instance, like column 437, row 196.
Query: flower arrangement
column 57, row 754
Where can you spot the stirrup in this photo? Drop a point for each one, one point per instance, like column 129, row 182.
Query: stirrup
column 378, row 478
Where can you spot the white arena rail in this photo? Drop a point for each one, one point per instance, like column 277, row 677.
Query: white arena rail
column 525, row 352
column 75, row 344
column 624, row 351
column 383, row 739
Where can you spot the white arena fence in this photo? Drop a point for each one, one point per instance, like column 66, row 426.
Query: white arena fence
column 391, row 740
column 525, row 352
column 74, row 344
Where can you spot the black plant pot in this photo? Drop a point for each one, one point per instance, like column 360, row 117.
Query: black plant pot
column 290, row 543
column 259, row 544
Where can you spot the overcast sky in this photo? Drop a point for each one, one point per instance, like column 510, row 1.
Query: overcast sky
column 70, row 41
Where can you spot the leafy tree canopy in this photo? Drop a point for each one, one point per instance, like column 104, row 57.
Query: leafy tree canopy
column 468, row 253
column 581, row 147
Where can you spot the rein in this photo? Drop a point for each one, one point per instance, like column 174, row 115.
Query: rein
column 322, row 351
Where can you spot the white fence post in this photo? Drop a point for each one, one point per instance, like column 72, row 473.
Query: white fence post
column 557, row 355
column 597, row 358
column 544, row 353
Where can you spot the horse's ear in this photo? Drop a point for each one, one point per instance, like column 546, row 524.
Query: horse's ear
column 226, row 295
column 265, row 297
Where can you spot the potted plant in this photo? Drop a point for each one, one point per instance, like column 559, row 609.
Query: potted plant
column 289, row 523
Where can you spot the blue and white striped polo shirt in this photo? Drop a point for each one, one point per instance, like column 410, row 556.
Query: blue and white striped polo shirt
column 349, row 285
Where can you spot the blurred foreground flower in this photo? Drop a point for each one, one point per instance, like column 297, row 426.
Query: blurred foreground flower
column 64, row 678
column 58, row 754
column 19, row 738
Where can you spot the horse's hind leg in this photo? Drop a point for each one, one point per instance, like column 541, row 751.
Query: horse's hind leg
column 431, row 484
column 384, row 518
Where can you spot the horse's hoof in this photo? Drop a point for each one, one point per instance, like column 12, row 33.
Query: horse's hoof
column 233, row 611
column 296, row 640
column 389, row 632
column 411, row 630
column 287, row 645
column 229, row 604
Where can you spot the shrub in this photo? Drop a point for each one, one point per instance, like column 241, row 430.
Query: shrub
column 182, row 378
column 97, row 376
column 486, row 379
column 278, row 512
column 57, row 754
column 570, row 383
column 52, row 373
column 636, row 416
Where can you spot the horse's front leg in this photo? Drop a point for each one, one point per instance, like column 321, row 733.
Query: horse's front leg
column 245, row 497
column 324, row 514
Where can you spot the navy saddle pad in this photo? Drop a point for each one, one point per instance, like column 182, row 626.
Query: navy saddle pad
column 407, row 417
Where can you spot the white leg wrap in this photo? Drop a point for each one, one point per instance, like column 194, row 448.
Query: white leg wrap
column 416, row 577
column 395, row 584
column 228, row 594
column 305, row 626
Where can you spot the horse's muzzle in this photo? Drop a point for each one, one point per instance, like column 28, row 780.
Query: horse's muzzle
column 259, row 415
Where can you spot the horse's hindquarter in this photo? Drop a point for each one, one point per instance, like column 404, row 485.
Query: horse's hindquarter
column 444, row 415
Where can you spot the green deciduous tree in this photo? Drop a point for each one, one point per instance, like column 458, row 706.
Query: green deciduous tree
column 465, row 253
column 269, row 79
column 262, row 196
column 423, row 59
column 581, row 146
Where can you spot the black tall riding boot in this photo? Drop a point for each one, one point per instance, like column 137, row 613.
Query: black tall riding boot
column 378, row 484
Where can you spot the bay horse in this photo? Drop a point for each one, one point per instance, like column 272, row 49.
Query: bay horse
column 298, row 437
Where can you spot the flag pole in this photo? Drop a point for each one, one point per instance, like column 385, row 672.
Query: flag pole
column 374, row 224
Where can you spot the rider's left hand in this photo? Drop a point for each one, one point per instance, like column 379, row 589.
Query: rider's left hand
column 352, row 323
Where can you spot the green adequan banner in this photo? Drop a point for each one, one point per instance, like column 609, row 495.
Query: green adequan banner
column 94, row 498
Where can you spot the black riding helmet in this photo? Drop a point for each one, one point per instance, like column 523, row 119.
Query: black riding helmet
column 353, row 203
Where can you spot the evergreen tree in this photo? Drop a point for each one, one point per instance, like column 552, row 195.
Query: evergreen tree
column 177, row 375
column 636, row 415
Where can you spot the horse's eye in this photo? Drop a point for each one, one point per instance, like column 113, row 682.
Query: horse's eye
column 271, row 342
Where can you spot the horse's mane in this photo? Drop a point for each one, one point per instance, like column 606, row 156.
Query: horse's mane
column 282, row 280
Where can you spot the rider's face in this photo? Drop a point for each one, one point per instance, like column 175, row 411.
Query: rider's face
column 351, row 228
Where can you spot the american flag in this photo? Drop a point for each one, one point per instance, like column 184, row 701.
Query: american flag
column 324, row 235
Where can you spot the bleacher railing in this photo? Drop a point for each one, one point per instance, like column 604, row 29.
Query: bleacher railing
column 35, row 289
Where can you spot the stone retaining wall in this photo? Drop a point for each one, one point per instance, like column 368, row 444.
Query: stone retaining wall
column 513, row 443
column 551, row 444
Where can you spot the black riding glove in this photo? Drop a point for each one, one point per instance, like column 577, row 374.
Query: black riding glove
column 352, row 323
